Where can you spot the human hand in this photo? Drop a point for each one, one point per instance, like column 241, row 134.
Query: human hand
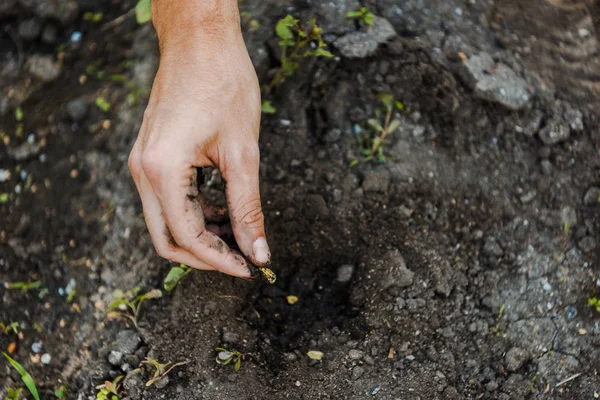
column 204, row 110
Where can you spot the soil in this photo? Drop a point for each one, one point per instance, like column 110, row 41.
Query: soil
column 460, row 268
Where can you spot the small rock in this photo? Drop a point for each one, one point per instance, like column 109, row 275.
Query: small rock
column 46, row 358
column 77, row 109
column 134, row 386
column 398, row 273
column 382, row 30
column 376, row 180
column 344, row 273
column 554, row 132
column 4, row 175
column 571, row 313
column 316, row 206
column 592, row 196
column 515, row 358
column 162, row 383
column 43, row 68
column 357, row 372
column 587, row 244
column 115, row 357
column 492, row 386
column 333, row 135
column 355, row 354
column 50, row 34
column 494, row 82
column 369, row 360
column 364, row 44
column 127, row 342
column 230, row 337
column 30, row 29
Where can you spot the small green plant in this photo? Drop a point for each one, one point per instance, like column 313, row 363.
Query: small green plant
column 3, row 198
column 225, row 357
column 25, row 377
column 24, row 286
column 143, row 12
column 128, row 304
column 497, row 330
column 160, row 370
column 109, row 390
column 12, row 327
column 267, row 107
column 595, row 303
column 297, row 42
column 93, row 17
column 363, row 15
column 61, row 393
column 175, row 276
column 372, row 144
column 102, row 104
column 14, row 394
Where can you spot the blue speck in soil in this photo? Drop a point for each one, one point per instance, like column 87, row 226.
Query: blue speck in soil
column 31, row 139
column 571, row 313
column 61, row 291
column 36, row 347
column 23, row 174
column 76, row 37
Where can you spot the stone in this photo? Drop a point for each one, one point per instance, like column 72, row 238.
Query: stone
column 365, row 44
column 398, row 272
column 554, row 132
column 382, row 30
column 162, row 383
column 355, row 354
column 230, row 337
column 563, row 121
column 344, row 273
column 357, row 372
column 377, row 180
column 77, row 109
column 515, row 358
column 592, row 197
column 494, row 82
column 43, row 68
column 333, row 135
column 127, row 342
column 115, row 357
column 30, row 29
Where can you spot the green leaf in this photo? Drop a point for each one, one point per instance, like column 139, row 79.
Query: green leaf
column 25, row 377
column 287, row 43
column 373, row 123
column 267, row 107
column 369, row 18
column 592, row 301
column 353, row 14
column 399, row 105
column 386, row 99
column 173, row 278
column 321, row 52
column 102, row 104
column 19, row 114
column 353, row 163
column 238, row 364
column 3, row 198
column 393, row 126
column 284, row 25
column 288, row 68
column 143, row 11
column 115, row 304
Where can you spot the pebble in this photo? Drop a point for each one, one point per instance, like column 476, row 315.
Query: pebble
column 571, row 313
column 46, row 358
column 230, row 337
column 43, row 68
column 76, row 37
column 410, row 357
column 357, row 372
column 369, row 360
column 592, row 197
column 30, row 29
column 515, row 358
column 333, row 135
column 36, row 347
column 377, row 180
column 77, row 109
column 4, row 175
column 344, row 273
column 115, row 357
column 399, row 274
column 355, row 354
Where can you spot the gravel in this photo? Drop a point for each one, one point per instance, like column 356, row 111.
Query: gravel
column 230, row 337
column 43, row 68
column 494, row 82
column 344, row 273
column 127, row 342
column 515, row 358
column 398, row 273
column 364, row 44
column 357, row 372
column 355, row 354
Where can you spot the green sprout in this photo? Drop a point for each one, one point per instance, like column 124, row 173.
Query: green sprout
column 176, row 274
column 61, row 393
column 19, row 114
column 102, row 104
column 160, row 370
column 12, row 327
column 25, row 377
column 3, row 198
column 297, row 42
column 267, row 107
column 373, row 144
column 24, row 286
column 497, row 330
column 93, row 17
column 362, row 15
column 225, row 357
column 109, row 390
column 143, row 12
column 128, row 305
column 14, row 394
column 594, row 302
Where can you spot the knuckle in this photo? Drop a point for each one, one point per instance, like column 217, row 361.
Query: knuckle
column 250, row 213
column 152, row 164
column 247, row 157
column 133, row 163
column 164, row 251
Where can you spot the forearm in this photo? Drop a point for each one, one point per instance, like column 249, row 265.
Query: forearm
column 181, row 23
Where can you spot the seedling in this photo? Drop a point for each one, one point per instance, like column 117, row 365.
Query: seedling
column 109, row 390
column 102, row 104
column 25, row 377
column 497, row 330
column 373, row 144
column 93, row 17
column 160, row 370
column 128, row 305
column 143, row 12
column 176, row 274
column 3, row 198
column 14, row 394
column 267, row 107
column 225, row 357
column 12, row 327
column 595, row 303
column 297, row 42
column 61, row 393
column 363, row 15
column 24, row 286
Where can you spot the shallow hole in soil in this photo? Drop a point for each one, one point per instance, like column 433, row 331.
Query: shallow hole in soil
column 323, row 303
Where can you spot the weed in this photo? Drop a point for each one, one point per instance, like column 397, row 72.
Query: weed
column 129, row 304
column 24, row 286
column 6, row 329
column 594, row 302
column 109, row 390
column 225, row 357
column 363, row 15
column 497, row 330
column 176, row 274
column 93, row 17
column 61, row 393
column 267, row 107
column 160, row 370
column 102, row 104
column 25, row 377
column 297, row 42
column 14, row 394
column 372, row 145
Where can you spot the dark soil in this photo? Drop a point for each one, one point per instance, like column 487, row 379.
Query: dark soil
column 469, row 255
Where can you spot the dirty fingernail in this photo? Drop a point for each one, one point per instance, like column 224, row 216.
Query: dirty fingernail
column 261, row 252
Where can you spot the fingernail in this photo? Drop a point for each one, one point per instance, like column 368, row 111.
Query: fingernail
column 260, row 248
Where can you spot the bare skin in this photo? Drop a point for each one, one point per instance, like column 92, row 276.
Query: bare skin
column 204, row 110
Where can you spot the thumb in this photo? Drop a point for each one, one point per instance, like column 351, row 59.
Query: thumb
column 245, row 210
